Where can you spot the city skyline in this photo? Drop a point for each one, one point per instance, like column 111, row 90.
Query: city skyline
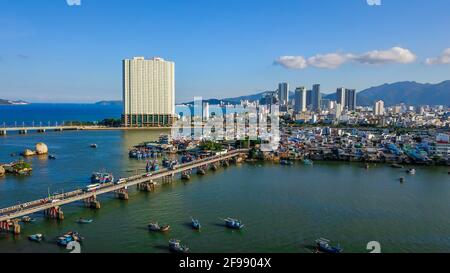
column 73, row 53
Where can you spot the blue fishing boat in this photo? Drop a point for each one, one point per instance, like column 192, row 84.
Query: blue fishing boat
column 323, row 245
column 175, row 246
column 36, row 237
column 196, row 224
column 233, row 223
column 69, row 237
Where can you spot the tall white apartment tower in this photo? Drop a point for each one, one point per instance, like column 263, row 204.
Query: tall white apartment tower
column 148, row 92
column 378, row 108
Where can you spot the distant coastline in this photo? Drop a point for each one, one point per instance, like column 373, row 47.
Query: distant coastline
column 10, row 102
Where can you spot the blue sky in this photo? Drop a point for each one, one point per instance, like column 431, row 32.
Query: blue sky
column 53, row 52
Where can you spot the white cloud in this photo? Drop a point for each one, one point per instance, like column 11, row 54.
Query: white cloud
column 73, row 2
column 393, row 55
column 444, row 58
column 329, row 61
column 335, row 60
column 292, row 62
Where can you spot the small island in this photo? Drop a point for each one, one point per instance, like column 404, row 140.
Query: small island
column 10, row 102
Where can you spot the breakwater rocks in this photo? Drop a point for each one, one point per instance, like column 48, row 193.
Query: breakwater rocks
column 16, row 168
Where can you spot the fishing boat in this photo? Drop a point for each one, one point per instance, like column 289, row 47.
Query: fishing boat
column 51, row 157
column 69, row 237
column 185, row 176
column 27, row 219
column 396, row 166
column 233, row 223
column 201, row 171
column 323, row 245
column 36, row 237
column 156, row 227
column 102, row 177
column 308, row 162
column 196, row 224
column 84, row 221
column 175, row 246
column 94, row 146
column 411, row 171
column 286, row 162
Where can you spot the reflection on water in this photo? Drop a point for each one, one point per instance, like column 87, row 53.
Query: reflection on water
column 283, row 208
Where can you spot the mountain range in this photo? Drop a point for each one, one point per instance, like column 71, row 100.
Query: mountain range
column 408, row 92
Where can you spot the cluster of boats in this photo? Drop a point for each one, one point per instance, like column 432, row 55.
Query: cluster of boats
column 152, row 166
column 102, row 178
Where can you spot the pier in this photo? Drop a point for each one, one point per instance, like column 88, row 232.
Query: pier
column 51, row 206
column 39, row 129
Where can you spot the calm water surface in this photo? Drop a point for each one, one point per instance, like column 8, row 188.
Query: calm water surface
column 284, row 208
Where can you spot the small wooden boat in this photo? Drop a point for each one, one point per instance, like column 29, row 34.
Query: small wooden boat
column 233, row 223
column 157, row 228
column 36, row 237
column 175, row 246
column 201, row 171
column 84, row 221
column 411, row 171
column 94, row 146
column 27, row 219
column 323, row 245
column 196, row 224
column 396, row 166
column 52, row 157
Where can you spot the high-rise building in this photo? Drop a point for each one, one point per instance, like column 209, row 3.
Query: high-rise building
column 346, row 98
column 316, row 98
column 350, row 97
column 283, row 93
column 340, row 96
column 300, row 100
column 148, row 92
column 378, row 108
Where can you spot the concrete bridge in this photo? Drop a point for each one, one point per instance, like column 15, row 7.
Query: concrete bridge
column 39, row 129
column 51, row 206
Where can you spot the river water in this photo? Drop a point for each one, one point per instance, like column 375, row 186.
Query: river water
column 284, row 208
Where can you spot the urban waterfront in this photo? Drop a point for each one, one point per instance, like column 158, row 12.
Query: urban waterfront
column 284, row 208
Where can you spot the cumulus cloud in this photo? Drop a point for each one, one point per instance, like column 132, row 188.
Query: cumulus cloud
column 329, row 61
column 444, row 58
column 393, row 55
column 335, row 60
column 292, row 62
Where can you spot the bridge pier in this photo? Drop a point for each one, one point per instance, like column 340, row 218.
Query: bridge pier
column 2, row 132
column 122, row 194
column 147, row 186
column 23, row 132
column 59, row 129
column 226, row 163
column 41, row 131
column 202, row 170
column 214, row 167
column 92, row 203
column 10, row 226
column 54, row 213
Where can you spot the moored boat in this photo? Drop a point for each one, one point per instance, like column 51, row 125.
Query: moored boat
column 94, row 146
column 308, row 162
column 411, row 171
column 84, row 221
column 323, row 245
column 27, row 219
column 397, row 166
column 286, row 162
column 69, row 237
column 233, row 223
column 52, row 157
column 196, row 224
column 36, row 237
column 156, row 227
column 175, row 246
